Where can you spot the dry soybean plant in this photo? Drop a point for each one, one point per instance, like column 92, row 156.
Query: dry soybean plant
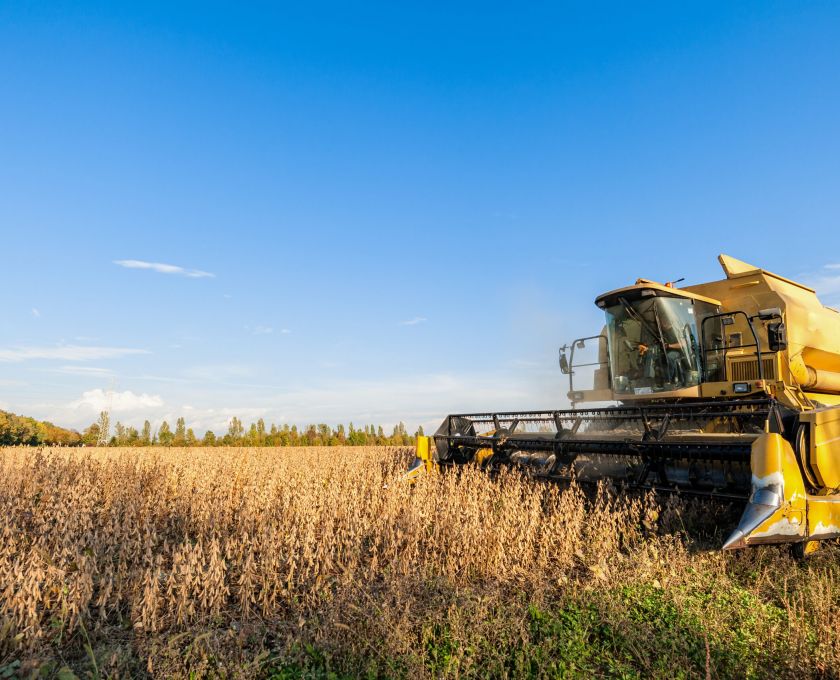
column 325, row 548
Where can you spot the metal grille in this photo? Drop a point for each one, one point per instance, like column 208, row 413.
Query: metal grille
column 748, row 370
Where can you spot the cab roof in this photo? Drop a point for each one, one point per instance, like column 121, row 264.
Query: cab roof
column 661, row 290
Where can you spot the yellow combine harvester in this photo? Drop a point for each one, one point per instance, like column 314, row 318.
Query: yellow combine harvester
column 727, row 389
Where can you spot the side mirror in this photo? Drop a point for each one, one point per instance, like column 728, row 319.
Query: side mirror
column 564, row 363
column 770, row 314
column 777, row 336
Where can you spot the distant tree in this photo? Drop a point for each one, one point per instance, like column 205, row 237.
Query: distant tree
column 284, row 437
column 260, row 432
column 180, row 437
column 189, row 438
column 235, row 430
column 324, row 434
column 146, row 434
column 91, row 435
column 209, row 438
column 250, row 438
column 119, row 434
column 357, row 437
column 165, row 435
column 104, row 423
column 132, row 437
column 400, row 436
column 21, row 430
column 52, row 434
column 310, row 437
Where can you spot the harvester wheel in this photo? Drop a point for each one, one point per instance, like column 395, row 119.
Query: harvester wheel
column 803, row 550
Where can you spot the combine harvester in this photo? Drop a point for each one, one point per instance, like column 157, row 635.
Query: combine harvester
column 728, row 389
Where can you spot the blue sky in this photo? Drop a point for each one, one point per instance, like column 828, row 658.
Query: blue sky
column 385, row 211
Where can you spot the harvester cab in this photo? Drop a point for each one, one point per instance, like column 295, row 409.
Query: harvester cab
column 663, row 343
column 727, row 389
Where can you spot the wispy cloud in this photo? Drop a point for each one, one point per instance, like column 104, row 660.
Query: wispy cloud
column 84, row 370
column 66, row 353
column 219, row 372
column 266, row 330
column 36, row 313
column 413, row 322
column 826, row 281
column 162, row 268
column 100, row 400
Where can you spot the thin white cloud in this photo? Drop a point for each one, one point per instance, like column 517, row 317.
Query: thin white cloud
column 162, row 268
column 826, row 281
column 118, row 402
column 84, row 370
column 413, row 322
column 266, row 330
column 218, row 372
column 36, row 313
column 66, row 353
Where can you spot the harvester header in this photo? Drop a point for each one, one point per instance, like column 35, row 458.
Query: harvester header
column 726, row 389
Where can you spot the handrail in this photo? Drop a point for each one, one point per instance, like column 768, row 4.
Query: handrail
column 726, row 348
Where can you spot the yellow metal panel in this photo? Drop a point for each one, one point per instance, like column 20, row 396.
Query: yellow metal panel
column 733, row 267
column 825, row 399
column 423, row 448
column 483, row 455
column 776, row 512
column 773, row 463
column 823, row 517
column 824, row 449
column 423, row 461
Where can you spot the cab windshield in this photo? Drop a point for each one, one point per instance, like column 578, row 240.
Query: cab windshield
column 653, row 343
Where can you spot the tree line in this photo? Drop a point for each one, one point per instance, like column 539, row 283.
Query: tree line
column 18, row 430
column 22, row 430
column 256, row 434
